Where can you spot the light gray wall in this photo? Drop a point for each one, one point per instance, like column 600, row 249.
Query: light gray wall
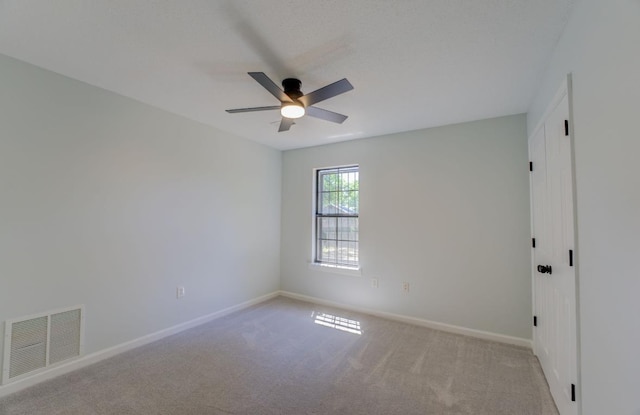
column 600, row 48
column 446, row 209
column 111, row 203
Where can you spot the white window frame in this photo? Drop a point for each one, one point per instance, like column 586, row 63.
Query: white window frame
column 322, row 266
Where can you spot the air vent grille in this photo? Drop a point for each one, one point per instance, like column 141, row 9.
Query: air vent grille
column 28, row 346
column 65, row 336
column 36, row 342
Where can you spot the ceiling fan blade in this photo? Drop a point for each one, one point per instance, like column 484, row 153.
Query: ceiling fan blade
column 270, row 86
column 326, row 115
column 329, row 91
column 236, row 110
column 285, row 124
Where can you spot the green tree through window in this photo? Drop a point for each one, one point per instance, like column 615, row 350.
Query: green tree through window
column 337, row 210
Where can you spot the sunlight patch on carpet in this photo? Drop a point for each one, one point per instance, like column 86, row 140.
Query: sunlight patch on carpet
column 337, row 322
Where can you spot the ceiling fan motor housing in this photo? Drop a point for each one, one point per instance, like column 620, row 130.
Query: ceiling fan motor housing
column 292, row 88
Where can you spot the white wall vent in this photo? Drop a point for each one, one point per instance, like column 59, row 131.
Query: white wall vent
column 34, row 343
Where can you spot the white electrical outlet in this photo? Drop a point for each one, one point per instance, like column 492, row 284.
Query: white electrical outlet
column 405, row 287
column 374, row 283
column 179, row 292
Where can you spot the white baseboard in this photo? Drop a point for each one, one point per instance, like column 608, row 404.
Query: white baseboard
column 123, row 347
column 517, row 341
column 141, row 341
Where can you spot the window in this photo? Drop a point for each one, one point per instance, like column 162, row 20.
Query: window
column 337, row 208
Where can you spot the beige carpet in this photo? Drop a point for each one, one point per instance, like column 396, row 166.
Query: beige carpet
column 290, row 357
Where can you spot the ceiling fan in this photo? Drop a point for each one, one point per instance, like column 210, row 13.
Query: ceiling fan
column 294, row 104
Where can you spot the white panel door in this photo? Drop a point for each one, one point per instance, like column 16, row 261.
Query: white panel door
column 542, row 252
column 554, row 287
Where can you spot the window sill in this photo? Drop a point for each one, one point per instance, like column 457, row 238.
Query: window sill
column 334, row 269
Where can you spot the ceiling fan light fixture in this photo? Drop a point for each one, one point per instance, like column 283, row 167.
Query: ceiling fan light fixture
column 292, row 110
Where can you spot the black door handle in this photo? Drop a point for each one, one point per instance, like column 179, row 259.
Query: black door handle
column 544, row 269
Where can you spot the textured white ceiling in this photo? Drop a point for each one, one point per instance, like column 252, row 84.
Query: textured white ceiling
column 413, row 63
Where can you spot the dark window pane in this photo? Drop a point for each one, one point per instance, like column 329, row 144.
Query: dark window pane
column 324, row 198
column 329, row 251
column 328, row 228
column 329, row 182
column 344, row 228
column 343, row 248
